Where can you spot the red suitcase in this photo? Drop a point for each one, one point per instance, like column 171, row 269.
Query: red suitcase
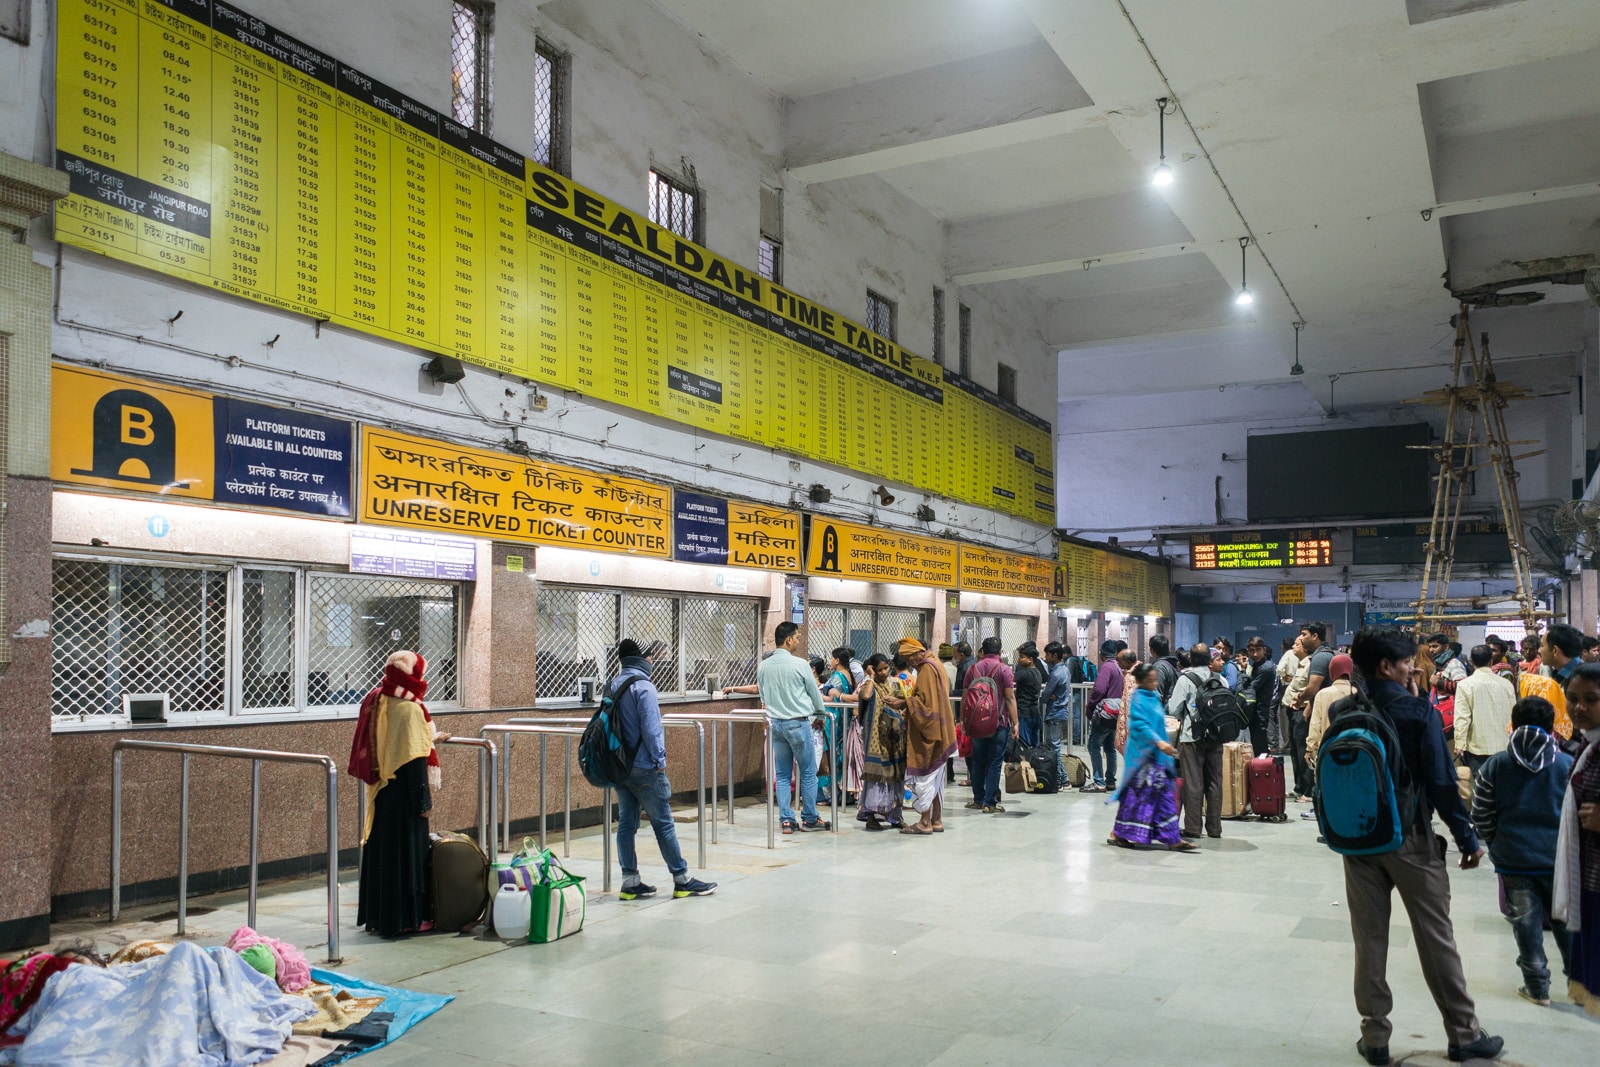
column 1267, row 798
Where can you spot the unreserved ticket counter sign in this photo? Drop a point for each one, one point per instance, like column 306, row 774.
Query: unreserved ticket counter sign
column 430, row 485
column 836, row 549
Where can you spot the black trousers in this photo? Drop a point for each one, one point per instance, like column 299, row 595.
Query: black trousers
column 1299, row 731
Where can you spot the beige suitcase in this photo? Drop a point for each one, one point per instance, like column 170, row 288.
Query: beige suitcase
column 1236, row 756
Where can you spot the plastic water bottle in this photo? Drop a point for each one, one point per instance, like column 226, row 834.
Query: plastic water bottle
column 513, row 913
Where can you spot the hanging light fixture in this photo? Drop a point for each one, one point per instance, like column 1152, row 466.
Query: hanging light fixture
column 1163, row 174
column 1297, row 369
column 1245, row 297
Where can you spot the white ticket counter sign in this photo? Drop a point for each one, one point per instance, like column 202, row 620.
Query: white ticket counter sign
column 412, row 555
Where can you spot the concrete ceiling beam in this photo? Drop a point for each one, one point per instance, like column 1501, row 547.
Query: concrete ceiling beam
column 973, row 105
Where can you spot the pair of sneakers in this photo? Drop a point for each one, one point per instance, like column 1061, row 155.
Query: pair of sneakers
column 694, row 887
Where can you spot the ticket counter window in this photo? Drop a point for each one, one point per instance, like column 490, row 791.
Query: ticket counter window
column 216, row 641
column 1012, row 630
column 867, row 630
column 705, row 640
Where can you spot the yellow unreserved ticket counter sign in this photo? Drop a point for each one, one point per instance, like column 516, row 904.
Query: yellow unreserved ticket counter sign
column 988, row 570
column 1290, row 593
column 864, row 553
column 430, row 485
column 120, row 433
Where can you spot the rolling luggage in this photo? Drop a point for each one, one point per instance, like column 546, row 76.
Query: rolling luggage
column 1236, row 756
column 1267, row 794
column 460, row 881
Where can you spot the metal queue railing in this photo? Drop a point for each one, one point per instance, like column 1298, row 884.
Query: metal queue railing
column 256, row 758
column 566, row 840
column 543, row 732
column 488, row 759
column 756, row 716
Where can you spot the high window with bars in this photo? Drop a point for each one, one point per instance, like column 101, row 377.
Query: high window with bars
column 674, row 204
column 550, row 81
column 704, row 639
column 471, row 33
column 221, row 640
column 866, row 630
column 964, row 339
column 881, row 314
column 937, row 351
column 1007, row 383
column 769, row 249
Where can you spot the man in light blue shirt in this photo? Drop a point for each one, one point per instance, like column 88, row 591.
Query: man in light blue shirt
column 792, row 699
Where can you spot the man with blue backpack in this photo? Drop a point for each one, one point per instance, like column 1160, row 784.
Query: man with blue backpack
column 1382, row 771
column 638, row 726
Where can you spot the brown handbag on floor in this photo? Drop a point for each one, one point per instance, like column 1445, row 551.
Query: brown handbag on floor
column 1020, row 777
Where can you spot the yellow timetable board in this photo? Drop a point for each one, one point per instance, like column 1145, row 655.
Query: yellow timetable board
column 1093, row 578
column 205, row 144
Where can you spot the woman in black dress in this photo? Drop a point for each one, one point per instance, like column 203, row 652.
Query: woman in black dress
column 394, row 754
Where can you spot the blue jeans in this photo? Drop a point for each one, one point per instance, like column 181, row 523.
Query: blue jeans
column 791, row 745
column 1028, row 731
column 988, row 753
column 1103, row 743
column 1055, row 732
column 1529, row 901
column 649, row 789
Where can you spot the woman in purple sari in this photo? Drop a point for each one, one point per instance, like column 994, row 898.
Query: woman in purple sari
column 1147, row 812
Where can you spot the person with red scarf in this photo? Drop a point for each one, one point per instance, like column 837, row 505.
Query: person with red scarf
column 393, row 752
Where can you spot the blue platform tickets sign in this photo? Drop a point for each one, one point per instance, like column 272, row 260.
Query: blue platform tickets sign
column 281, row 458
column 699, row 528
column 413, row 555
column 709, row 529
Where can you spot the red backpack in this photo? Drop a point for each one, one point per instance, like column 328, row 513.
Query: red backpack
column 980, row 706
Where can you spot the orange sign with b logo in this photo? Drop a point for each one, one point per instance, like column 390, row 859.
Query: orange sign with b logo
column 119, row 433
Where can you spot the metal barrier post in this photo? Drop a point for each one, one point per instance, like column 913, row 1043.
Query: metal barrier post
column 605, row 837
column 505, row 794
column 257, row 757
column 751, row 715
column 333, row 863
column 255, row 838
column 183, row 847
column 543, row 797
column 700, row 736
column 770, row 773
column 730, row 774
column 116, row 833
column 713, row 778
column 566, row 828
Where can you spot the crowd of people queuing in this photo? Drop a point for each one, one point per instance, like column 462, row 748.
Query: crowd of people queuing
column 1496, row 741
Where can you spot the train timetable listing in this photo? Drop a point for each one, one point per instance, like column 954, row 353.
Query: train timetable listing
column 203, row 143
column 1261, row 549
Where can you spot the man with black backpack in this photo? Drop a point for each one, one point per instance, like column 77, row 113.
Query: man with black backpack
column 1385, row 753
column 646, row 787
column 1206, row 706
column 1166, row 666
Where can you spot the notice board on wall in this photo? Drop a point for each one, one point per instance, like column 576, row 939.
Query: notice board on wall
column 205, row 144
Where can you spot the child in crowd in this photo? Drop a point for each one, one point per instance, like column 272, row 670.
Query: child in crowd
column 1516, row 808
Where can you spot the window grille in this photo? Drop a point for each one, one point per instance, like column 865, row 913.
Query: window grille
column 674, row 204
column 938, row 326
column 719, row 637
column 646, row 619
column 832, row 625
column 267, row 616
column 964, row 339
column 549, row 107
column 578, row 630
column 881, row 314
column 355, row 621
column 472, row 30
column 1008, row 383
column 1012, row 630
column 136, row 628
column 575, row 632
column 769, row 260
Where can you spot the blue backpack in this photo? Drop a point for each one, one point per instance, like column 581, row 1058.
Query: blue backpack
column 603, row 758
column 1365, row 799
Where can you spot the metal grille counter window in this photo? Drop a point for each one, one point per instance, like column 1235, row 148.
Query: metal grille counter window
column 1013, row 630
column 227, row 640
column 866, row 630
column 577, row 630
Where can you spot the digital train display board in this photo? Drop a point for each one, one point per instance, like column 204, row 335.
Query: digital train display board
column 1260, row 550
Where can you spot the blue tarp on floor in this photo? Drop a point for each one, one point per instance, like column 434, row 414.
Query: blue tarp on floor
column 409, row 1008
